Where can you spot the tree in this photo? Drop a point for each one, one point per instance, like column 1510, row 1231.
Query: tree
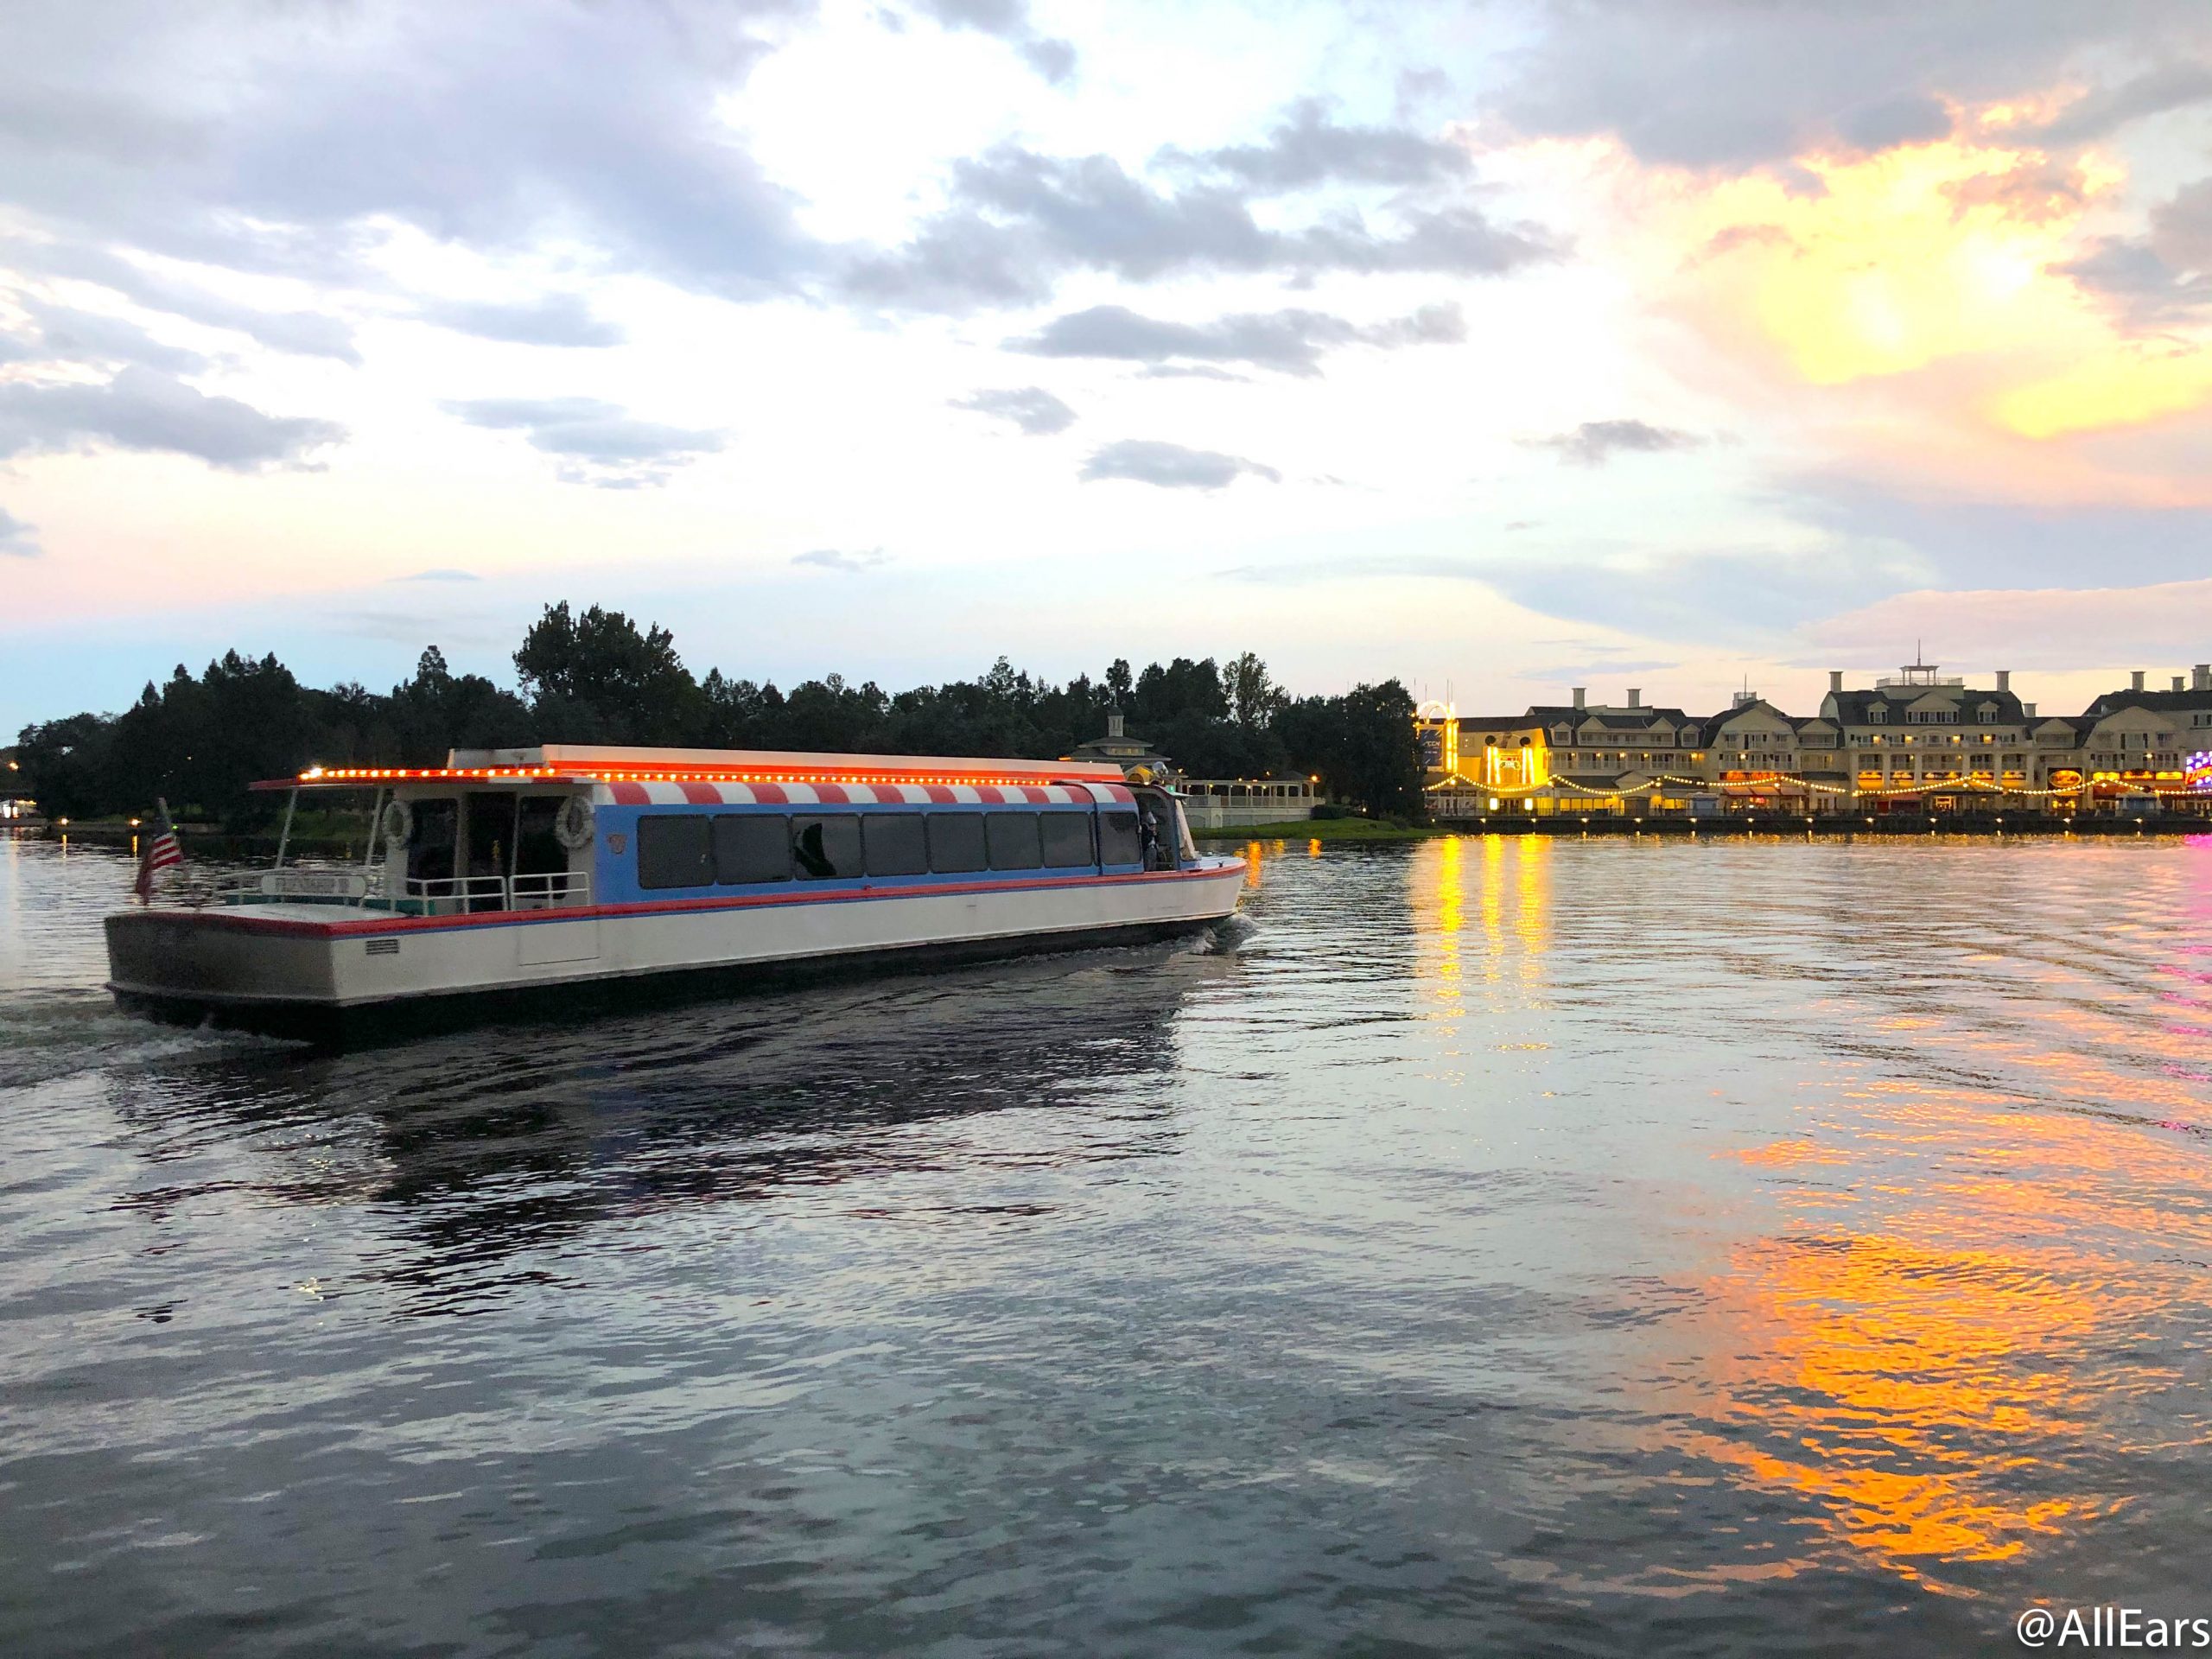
column 598, row 678
column 1362, row 745
column 1254, row 698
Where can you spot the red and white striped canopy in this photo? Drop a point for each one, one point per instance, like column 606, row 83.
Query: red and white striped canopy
column 699, row 794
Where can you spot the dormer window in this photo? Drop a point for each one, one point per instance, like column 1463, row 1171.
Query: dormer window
column 1989, row 716
column 1876, row 715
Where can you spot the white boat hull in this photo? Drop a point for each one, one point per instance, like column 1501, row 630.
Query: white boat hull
column 315, row 969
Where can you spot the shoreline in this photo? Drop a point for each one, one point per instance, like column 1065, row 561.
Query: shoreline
column 1900, row 828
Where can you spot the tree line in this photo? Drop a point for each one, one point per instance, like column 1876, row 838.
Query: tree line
column 596, row 677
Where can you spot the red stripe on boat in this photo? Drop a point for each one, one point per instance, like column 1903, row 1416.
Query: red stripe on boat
column 629, row 794
column 941, row 794
column 833, row 795
column 702, row 794
column 769, row 794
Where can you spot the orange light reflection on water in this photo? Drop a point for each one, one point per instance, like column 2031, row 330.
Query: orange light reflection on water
column 1899, row 1356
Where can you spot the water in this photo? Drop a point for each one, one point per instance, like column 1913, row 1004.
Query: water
column 1488, row 1246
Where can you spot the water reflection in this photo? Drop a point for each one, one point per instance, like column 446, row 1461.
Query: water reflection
column 475, row 1150
column 1924, row 1353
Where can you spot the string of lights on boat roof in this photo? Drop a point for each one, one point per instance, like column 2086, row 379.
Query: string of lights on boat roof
column 339, row 775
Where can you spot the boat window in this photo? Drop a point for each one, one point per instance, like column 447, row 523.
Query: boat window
column 896, row 844
column 956, row 842
column 674, row 850
column 752, row 847
column 1118, row 833
column 430, row 844
column 538, row 851
column 1011, row 838
column 826, row 848
column 1067, row 840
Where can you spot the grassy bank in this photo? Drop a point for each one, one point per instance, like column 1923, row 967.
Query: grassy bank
column 1326, row 829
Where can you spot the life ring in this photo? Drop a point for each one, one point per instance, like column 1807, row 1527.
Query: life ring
column 396, row 826
column 573, row 828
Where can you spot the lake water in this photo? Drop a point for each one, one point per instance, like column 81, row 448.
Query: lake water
column 1486, row 1246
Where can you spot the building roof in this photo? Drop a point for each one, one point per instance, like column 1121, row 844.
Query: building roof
column 2151, row 702
column 1851, row 707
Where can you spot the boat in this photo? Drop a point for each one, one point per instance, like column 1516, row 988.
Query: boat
column 514, row 877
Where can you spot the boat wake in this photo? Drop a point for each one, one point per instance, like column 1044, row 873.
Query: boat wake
column 46, row 1036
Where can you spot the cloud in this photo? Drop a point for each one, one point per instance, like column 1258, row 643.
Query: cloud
column 1291, row 342
column 1170, row 466
column 1033, row 409
column 597, row 443
column 1190, row 372
column 142, row 409
column 2101, row 111
column 64, row 334
column 2163, row 627
column 153, row 129
column 1695, row 83
column 306, row 334
column 1308, row 149
column 441, row 575
column 1017, row 220
column 1009, row 21
column 1913, row 118
column 553, row 319
column 1714, row 597
column 1998, row 544
column 17, row 539
column 851, row 565
column 1595, row 443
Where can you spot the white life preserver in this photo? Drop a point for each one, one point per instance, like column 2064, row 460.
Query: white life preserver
column 398, row 824
column 573, row 828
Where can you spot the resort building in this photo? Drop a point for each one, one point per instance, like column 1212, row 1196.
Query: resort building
column 1916, row 742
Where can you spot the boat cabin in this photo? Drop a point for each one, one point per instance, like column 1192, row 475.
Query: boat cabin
column 566, row 825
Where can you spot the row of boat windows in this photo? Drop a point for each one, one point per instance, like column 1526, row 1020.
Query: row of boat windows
column 689, row 849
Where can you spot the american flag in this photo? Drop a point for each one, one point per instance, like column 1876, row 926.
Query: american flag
column 161, row 851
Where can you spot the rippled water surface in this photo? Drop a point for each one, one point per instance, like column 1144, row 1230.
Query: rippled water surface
column 1485, row 1246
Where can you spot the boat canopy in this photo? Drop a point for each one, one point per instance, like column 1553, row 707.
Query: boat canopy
column 605, row 764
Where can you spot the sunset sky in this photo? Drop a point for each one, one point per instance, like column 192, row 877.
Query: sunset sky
column 1673, row 343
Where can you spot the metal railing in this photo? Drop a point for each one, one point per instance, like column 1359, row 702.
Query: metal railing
column 438, row 896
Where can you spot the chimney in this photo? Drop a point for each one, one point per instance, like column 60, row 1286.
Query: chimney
column 2177, row 682
column 2003, row 679
column 1581, row 695
column 1634, row 698
column 2028, row 709
column 1835, row 681
column 2136, row 683
column 2200, row 677
column 1113, row 722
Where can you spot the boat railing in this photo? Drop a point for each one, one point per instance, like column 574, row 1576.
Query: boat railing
column 420, row 896
column 551, row 890
column 447, row 895
column 332, row 886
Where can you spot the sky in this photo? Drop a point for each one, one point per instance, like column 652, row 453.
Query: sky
column 1690, row 345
